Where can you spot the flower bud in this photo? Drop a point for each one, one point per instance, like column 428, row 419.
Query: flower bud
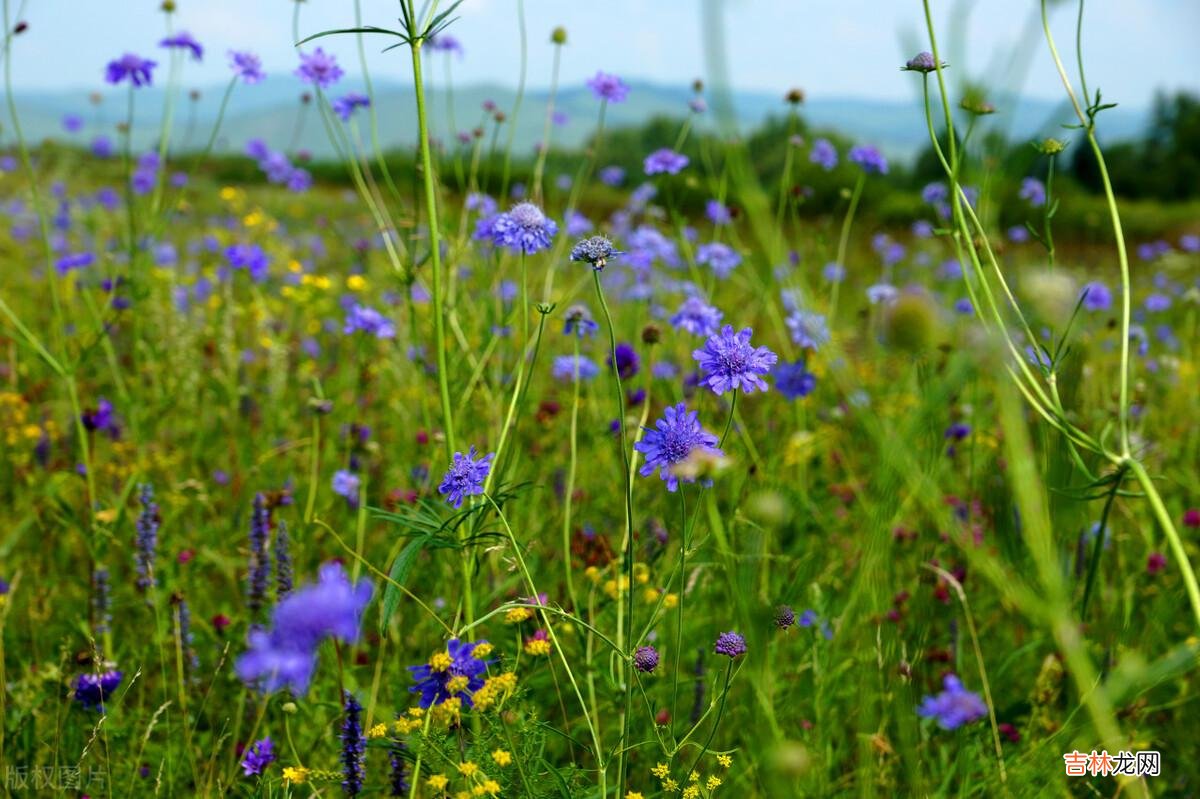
column 559, row 35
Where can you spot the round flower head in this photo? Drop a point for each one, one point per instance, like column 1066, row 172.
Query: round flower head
column 130, row 67
column 921, row 62
column 627, row 360
column 645, row 659
column 823, row 154
column 608, row 87
column 260, row 755
column 954, row 706
column 319, row 68
column 730, row 645
column 246, row 66
column 784, row 617
column 675, row 438
column 595, row 250
column 719, row 257
column 665, row 161
column 579, row 322
column 92, row 689
column 184, row 41
column 793, row 380
column 1097, row 296
column 730, row 361
column 524, row 228
column 697, row 317
column 869, row 158
column 345, row 106
column 465, row 476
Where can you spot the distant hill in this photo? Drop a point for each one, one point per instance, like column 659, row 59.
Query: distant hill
column 270, row 111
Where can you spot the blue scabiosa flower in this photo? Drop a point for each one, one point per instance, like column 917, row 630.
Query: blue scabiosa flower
column 445, row 43
column 720, row 258
column 524, row 228
column 954, row 706
column 1157, row 303
column 793, row 380
column 135, row 69
column 579, row 322
column 1097, row 296
column 785, row 617
column 319, row 68
column 645, row 659
column 627, row 360
column 566, row 366
column 286, row 656
column 882, row 293
column 345, row 485
column 730, row 361
column 576, row 223
column 354, row 746
column 260, row 560
column 184, row 41
column 869, row 158
column 72, row 261
column 730, row 644
column 249, row 257
column 922, row 62
column 697, row 317
column 246, row 66
column 455, row 671
column 465, row 476
column 608, row 87
column 673, row 439
column 92, row 689
column 345, row 105
column 665, row 162
column 612, row 176
column 146, row 543
column 823, row 154
column 260, row 755
column 1033, row 191
column 363, row 319
column 717, row 212
column 595, row 250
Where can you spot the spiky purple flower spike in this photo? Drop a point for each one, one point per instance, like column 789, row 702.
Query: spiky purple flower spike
column 260, row 559
column 147, row 539
column 283, row 562
column 354, row 747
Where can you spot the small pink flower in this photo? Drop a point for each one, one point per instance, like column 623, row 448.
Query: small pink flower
column 1156, row 563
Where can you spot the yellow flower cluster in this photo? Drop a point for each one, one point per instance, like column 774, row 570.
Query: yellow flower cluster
column 403, row 726
column 693, row 790
column 537, row 647
column 495, row 691
column 479, row 784
column 518, row 615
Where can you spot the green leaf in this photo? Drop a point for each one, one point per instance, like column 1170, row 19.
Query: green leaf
column 401, row 567
column 365, row 29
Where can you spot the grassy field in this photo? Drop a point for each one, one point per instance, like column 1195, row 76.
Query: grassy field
column 391, row 488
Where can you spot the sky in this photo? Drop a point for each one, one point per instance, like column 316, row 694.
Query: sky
column 830, row 48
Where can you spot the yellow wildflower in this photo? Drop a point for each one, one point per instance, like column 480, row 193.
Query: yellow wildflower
column 295, row 775
column 502, row 758
column 725, row 760
column 468, row 769
column 438, row 782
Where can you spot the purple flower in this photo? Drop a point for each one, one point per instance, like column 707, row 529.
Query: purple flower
column 697, row 317
column 346, row 484
column 439, row 679
column 627, row 360
column 730, row 361
column 954, row 706
column 72, row 261
column 730, row 645
column 465, row 476
column 793, row 380
column 1157, row 303
column 672, row 440
column 1033, row 191
column 579, row 322
column 717, row 212
column 345, row 105
column 246, row 66
column 595, row 251
column 1096, row 296
column 935, row 193
column 608, row 87
column 361, row 318
column 354, row 747
column 1189, row 242
column 260, row 755
column 72, row 123
column 445, row 43
column 249, row 257
column 721, row 258
column 184, row 41
column 566, row 366
column 319, row 68
column 785, row 617
column 129, row 66
column 286, row 656
column 869, row 158
column 260, row 560
column 146, row 541
column 921, row 62
column 665, row 161
column 102, row 147
column 612, row 176
column 645, row 659
column 577, row 224
column 524, row 228
column 92, row 689
column 823, row 154
column 882, row 293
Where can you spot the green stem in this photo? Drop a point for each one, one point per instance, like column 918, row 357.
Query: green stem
column 844, row 240
column 570, row 488
column 1173, row 538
